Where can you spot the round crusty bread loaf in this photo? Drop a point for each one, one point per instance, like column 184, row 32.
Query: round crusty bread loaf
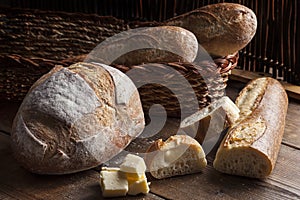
column 76, row 118
column 147, row 45
column 222, row 28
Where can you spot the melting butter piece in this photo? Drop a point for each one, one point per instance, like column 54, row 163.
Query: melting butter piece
column 135, row 168
column 113, row 182
column 131, row 177
column 137, row 183
column 139, row 186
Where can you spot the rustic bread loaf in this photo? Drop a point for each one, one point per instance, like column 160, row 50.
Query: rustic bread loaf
column 251, row 146
column 147, row 45
column 76, row 118
column 178, row 155
column 222, row 28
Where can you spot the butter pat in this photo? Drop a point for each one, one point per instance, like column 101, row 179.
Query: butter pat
column 129, row 179
column 135, row 167
column 137, row 183
column 133, row 164
column 113, row 182
column 137, row 187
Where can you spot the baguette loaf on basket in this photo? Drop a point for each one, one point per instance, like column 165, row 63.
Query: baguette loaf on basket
column 222, row 28
column 251, row 146
column 76, row 118
column 146, row 45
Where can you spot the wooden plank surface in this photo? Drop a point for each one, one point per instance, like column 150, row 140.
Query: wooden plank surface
column 284, row 183
column 7, row 113
column 244, row 76
column 17, row 183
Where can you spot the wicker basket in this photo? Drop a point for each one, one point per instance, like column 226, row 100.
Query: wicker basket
column 19, row 73
column 43, row 39
column 207, row 80
column 274, row 50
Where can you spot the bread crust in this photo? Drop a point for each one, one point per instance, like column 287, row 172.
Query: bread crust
column 147, row 45
column 258, row 135
column 70, row 120
column 222, row 28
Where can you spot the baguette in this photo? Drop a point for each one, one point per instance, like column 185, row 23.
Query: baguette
column 222, row 29
column 76, row 118
column 251, row 146
column 147, row 45
column 178, row 155
column 207, row 124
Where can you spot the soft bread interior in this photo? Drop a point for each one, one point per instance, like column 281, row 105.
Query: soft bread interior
column 188, row 163
column 243, row 161
column 236, row 154
column 250, row 97
column 177, row 156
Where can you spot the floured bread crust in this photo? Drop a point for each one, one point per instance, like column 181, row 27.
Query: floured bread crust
column 221, row 28
column 147, row 45
column 70, row 121
column 251, row 146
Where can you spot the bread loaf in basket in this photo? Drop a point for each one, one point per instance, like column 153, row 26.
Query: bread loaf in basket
column 58, row 38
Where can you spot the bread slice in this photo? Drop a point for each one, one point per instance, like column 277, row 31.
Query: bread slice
column 178, row 155
column 209, row 122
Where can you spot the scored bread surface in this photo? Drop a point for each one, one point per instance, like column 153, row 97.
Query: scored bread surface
column 251, row 146
column 222, row 28
column 147, row 45
column 69, row 121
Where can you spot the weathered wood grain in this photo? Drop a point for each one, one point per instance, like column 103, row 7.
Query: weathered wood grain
column 8, row 109
column 293, row 91
column 292, row 128
column 17, row 183
column 287, row 170
column 282, row 184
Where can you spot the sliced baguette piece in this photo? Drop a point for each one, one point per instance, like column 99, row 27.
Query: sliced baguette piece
column 251, row 146
column 211, row 120
column 178, row 155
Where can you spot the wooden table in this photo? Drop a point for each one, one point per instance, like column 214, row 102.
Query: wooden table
column 283, row 183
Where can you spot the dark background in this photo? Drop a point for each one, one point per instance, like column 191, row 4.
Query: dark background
column 275, row 49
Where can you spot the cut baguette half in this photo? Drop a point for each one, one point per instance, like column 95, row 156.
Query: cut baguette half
column 207, row 124
column 251, row 146
column 178, row 155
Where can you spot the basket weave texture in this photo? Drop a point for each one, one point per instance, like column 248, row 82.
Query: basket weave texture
column 208, row 80
column 32, row 43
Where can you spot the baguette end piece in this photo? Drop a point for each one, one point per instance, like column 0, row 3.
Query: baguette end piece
column 243, row 161
column 251, row 146
column 179, row 155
